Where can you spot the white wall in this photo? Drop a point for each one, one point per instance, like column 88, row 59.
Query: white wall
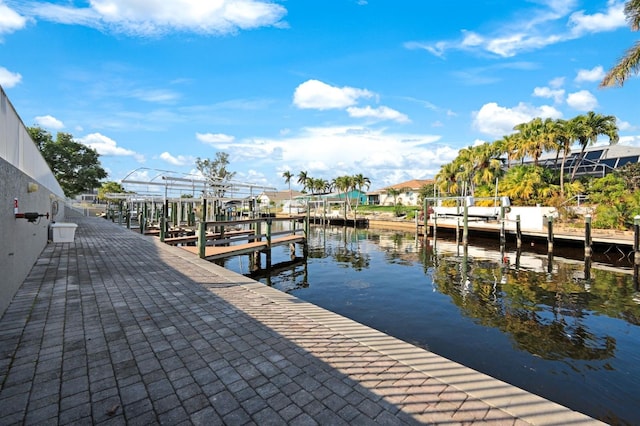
column 531, row 218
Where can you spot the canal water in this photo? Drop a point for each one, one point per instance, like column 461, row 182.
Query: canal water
column 556, row 329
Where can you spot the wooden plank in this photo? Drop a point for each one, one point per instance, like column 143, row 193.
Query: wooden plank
column 194, row 238
column 287, row 240
column 228, row 251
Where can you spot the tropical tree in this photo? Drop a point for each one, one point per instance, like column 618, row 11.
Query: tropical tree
column 447, row 180
column 594, row 125
column 486, row 163
column 630, row 62
column 528, row 185
column 75, row 166
column 568, row 132
column 535, row 137
column 344, row 184
column 508, row 146
column 303, row 179
column 360, row 181
column 393, row 192
column 287, row 175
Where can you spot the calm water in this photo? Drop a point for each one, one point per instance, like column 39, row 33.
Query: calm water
column 573, row 340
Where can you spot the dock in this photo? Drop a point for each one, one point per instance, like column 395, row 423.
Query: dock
column 235, row 237
column 118, row 327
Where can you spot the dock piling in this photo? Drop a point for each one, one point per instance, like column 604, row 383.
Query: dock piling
column 636, row 251
column 550, row 234
column 518, row 233
column 587, row 236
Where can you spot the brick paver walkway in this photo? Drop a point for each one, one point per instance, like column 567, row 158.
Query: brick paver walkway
column 117, row 328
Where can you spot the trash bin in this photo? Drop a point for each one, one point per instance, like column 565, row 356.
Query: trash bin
column 63, row 232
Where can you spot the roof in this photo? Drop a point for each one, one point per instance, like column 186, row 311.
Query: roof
column 414, row 185
column 280, row 195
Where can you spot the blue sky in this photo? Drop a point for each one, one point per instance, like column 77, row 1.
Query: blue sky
column 390, row 89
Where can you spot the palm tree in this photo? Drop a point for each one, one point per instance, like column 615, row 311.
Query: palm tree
column 447, row 178
column 344, row 184
column 287, row 175
column 631, row 60
column 360, row 181
column 303, row 179
column 526, row 185
column 508, row 145
column 394, row 192
column 487, row 164
column 594, row 126
column 535, row 138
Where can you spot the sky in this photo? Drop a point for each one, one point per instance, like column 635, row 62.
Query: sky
column 390, row 89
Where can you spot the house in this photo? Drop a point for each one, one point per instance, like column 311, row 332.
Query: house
column 408, row 195
column 274, row 200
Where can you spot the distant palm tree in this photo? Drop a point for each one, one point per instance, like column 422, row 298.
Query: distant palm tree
column 447, row 178
column 287, row 175
column 344, row 184
column 303, row 179
column 631, row 60
column 595, row 125
column 360, row 181
column 568, row 131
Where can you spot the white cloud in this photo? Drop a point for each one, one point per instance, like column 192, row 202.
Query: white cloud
column 108, row 147
column 556, row 83
column 495, row 120
column 541, row 27
column 595, row 74
column 214, row 138
column 314, row 94
column 630, row 140
column 49, row 122
column 373, row 152
column 545, row 92
column 611, row 19
column 155, row 95
column 156, row 17
column 9, row 79
column 582, row 100
column 380, row 113
column 10, row 20
column 625, row 125
column 180, row 160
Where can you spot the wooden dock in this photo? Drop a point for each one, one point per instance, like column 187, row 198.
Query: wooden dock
column 221, row 252
column 214, row 240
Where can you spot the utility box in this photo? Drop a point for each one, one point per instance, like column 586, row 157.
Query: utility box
column 63, row 232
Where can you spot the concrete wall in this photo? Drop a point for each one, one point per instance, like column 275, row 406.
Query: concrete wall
column 22, row 241
column 23, row 175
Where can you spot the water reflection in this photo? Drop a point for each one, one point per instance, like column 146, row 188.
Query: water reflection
column 560, row 328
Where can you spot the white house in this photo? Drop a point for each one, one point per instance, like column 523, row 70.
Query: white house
column 408, row 196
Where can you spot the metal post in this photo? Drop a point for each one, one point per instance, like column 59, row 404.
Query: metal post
column 162, row 228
